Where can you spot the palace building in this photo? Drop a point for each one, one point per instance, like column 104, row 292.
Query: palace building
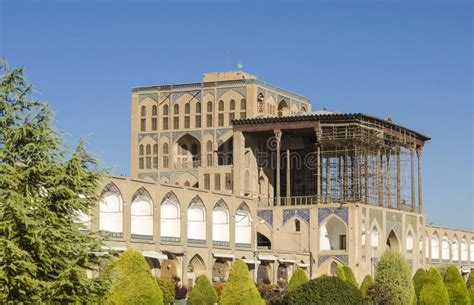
column 235, row 168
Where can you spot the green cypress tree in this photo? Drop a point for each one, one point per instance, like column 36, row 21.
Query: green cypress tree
column 470, row 286
column 239, row 288
column 419, row 280
column 133, row 283
column 202, row 293
column 456, row 287
column 350, row 277
column 340, row 273
column 393, row 270
column 45, row 251
column 433, row 292
column 298, row 278
column 366, row 283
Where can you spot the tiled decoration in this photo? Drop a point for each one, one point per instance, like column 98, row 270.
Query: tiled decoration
column 342, row 258
column 153, row 96
column 324, row 213
column 302, row 213
column 266, row 215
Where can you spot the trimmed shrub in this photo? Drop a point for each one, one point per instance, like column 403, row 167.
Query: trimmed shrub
column 298, row 278
column 366, row 283
column 419, row 280
column 167, row 289
column 239, row 288
column 340, row 273
column 325, row 290
column 218, row 287
column 350, row 277
column 379, row 293
column 133, row 282
column 433, row 291
column 456, row 287
column 272, row 294
column 393, row 270
column 202, row 293
column 470, row 286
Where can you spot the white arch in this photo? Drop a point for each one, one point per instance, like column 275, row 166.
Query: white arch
column 427, row 246
column 464, row 250
column 364, row 232
column 375, row 235
column 220, row 222
column 141, row 214
column 170, row 228
column 243, row 225
column 445, row 247
column 196, row 219
column 435, row 246
column 111, row 210
column 410, row 241
column 330, row 233
column 455, row 249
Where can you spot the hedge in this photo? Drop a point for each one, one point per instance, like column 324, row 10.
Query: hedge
column 239, row 288
column 167, row 289
column 456, row 287
column 433, row 292
column 470, row 286
column 133, row 283
column 298, row 278
column 340, row 273
column 366, row 283
column 202, row 293
column 325, row 290
column 350, row 277
column 393, row 270
column 419, row 280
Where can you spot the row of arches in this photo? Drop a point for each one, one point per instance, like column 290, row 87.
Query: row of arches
column 268, row 105
column 449, row 249
column 142, row 224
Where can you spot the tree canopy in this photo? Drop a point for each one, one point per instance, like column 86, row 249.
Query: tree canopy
column 456, row 287
column 239, row 288
column 298, row 278
column 202, row 293
column 433, row 292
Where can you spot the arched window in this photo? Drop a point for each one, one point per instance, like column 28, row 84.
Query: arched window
column 374, row 237
column 165, row 149
column 170, row 218
column 176, row 109
column 427, row 247
column 434, row 246
column 155, row 155
column 220, row 224
column 445, row 247
column 141, row 152
column 243, row 225
column 332, row 234
column 154, row 119
column 111, row 211
column 297, row 225
column 165, row 110
column 209, row 153
column 187, row 108
column 364, row 233
column 165, row 117
column 198, row 107
column 196, row 220
column 221, row 105
column 410, row 242
column 143, row 111
column 209, row 106
column 471, row 250
column 165, row 155
column 142, row 215
column 232, row 105
column 455, row 249
column 148, row 156
column 464, row 251
column 154, row 110
column 148, row 149
column 243, row 104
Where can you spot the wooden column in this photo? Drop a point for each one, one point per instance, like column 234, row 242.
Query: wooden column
column 379, row 177
column 288, row 175
column 412, row 155
column 399, row 194
column 356, row 174
column 389, row 185
column 328, row 179
column 277, row 147
column 366, row 175
column 346, row 172
column 419, row 152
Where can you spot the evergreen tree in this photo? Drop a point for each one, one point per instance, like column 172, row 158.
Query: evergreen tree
column 202, row 293
column 433, row 292
column 44, row 250
column 419, row 280
column 393, row 270
column 456, row 287
column 470, row 286
column 350, row 277
column 133, row 283
column 239, row 288
column 340, row 273
column 366, row 283
column 298, row 278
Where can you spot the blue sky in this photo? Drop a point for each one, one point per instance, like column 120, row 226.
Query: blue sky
column 410, row 61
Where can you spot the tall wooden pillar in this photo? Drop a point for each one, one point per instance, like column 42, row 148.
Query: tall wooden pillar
column 366, row 175
column 277, row 147
column 399, row 194
column 388, row 177
column 379, row 177
column 419, row 152
column 328, row 179
column 346, row 172
column 288, row 174
column 356, row 174
column 412, row 155
column 318, row 162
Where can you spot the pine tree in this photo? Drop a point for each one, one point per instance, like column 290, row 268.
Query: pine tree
column 239, row 288
column 350, row 277
column 133, row 283
column 44, row 250
column 366, row 283
column 340, row 273
column 470, row 286
column 456, row 287
column 433, row 292
column 393, row 270
column 298, row 278
column 419, row 280
column 202, row 293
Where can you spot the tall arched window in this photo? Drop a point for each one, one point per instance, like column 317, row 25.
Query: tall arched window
column 455, row 249
column 243, row 225
column 170, row 225
column 196, row 221
column 187, row 108
column 187, row 118
column 165, row 117
column 427, row 247
column 364, row 232
column 220, row 115
column 141, row 152
column 471, row 250
column 198, row 107
column 464, row 251
column 374, row 237
column 445, row 248
column 154, row 118
column 209, row 114
column 220, row 224
column 166, row 155
column 221, row 105
column 143, row 111
column 243, row 109
column 197, row 118
column 231, row 112
column 143, row 118
column 297, row 225
column 209, row 153
column 176, row 116
column 434, row 246
column 142, row 215
column 232, row 105
column 111, row 211
column 410, row 242
column 155, row 155
column 148, row 157
column 332, row 234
